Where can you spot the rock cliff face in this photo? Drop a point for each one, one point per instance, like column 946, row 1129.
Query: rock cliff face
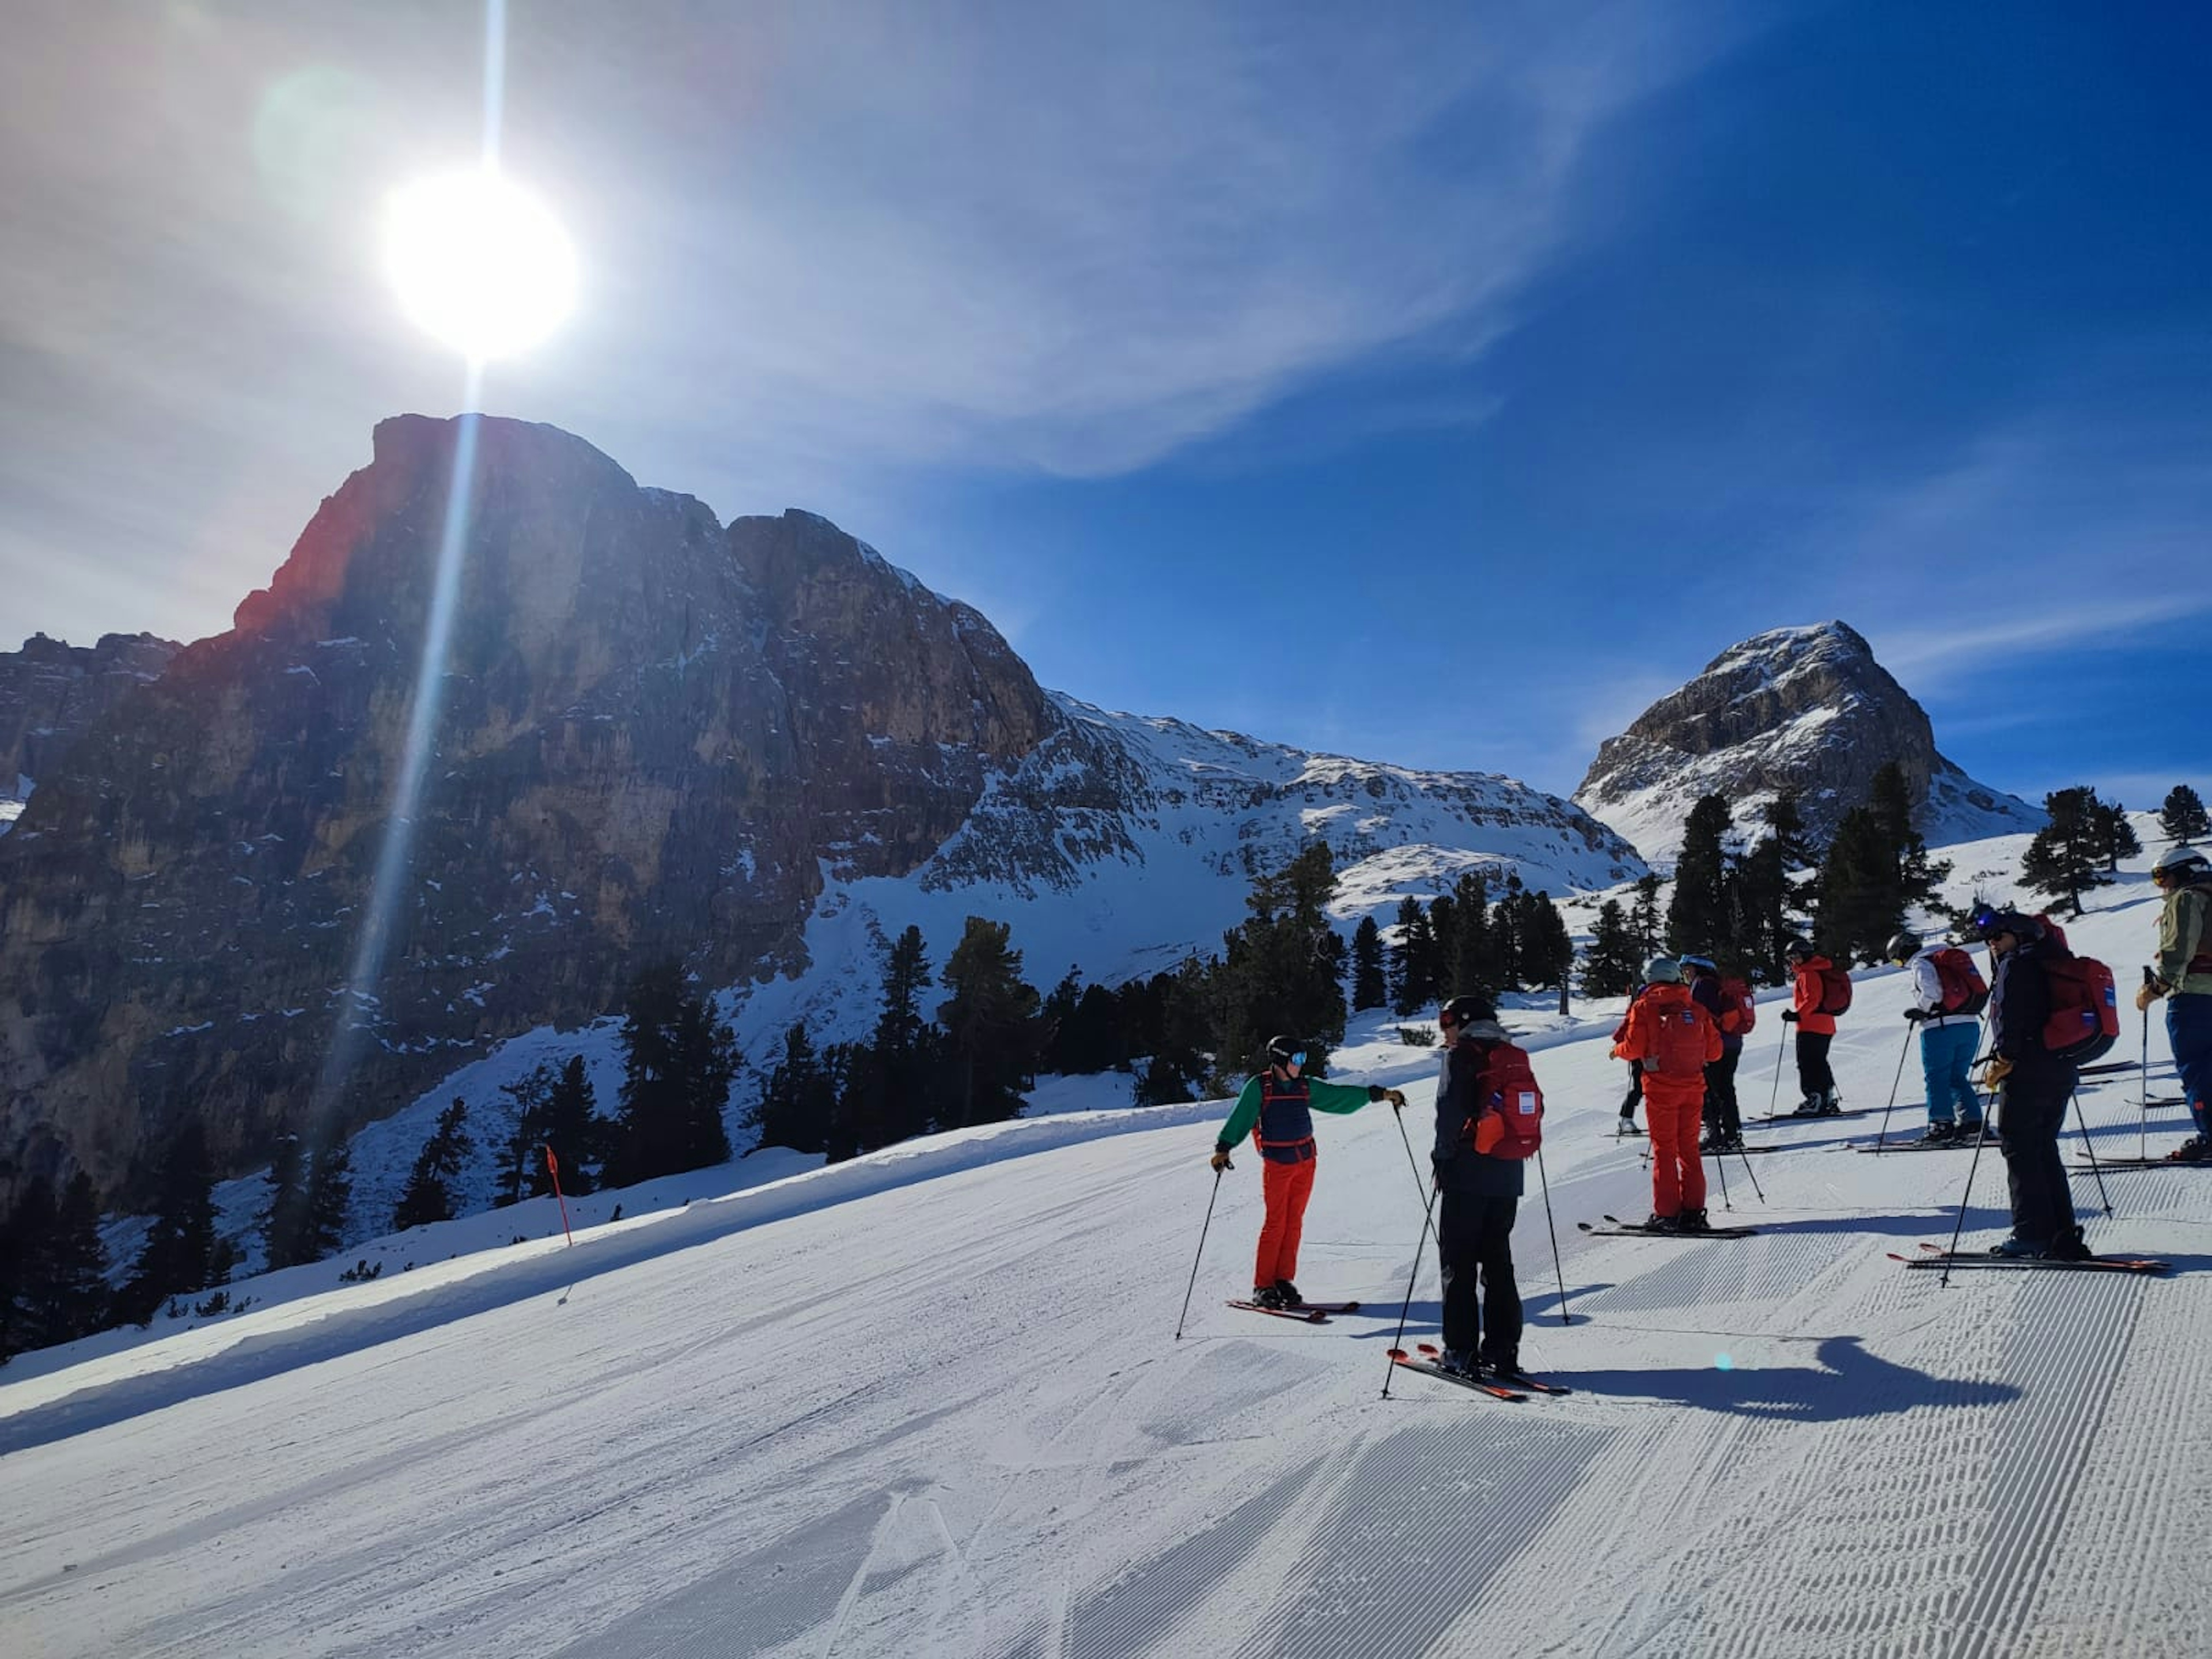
column 50, row 692
column 1807, row 710
column 657, row 735
column 755, row 748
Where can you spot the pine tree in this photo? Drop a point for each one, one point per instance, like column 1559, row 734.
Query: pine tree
column 56, row 1290
column 572, row 1127
column 1917, row 879
column 2183, row 817
column 678, row 1064
column 1053, row 1016
column 1412, row 959
column 1177, row 1059
column 330, row 1198
column 179, row 1250
column 1644, row 919
column 796, row 1103
column 1548, row 952
column 1613, row 966
column 522, row 1166
column 1281, row 971
column 428, row 1194
column 1368, row 989
column 284, row 1209
column 2062, row 861
column 1698, row 918
column 2116, row 837
column 1473, row 968
column 990, row 1024
column 1861, row 904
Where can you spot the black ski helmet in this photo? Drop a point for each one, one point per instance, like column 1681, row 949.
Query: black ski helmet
column 1282, row 1050
column 1796, row 947
column 1465, row 1010
column 1699, row 964
column 1903, row 948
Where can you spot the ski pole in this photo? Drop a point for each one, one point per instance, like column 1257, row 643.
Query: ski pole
column 1746, row 1156
column 2095, row 1168
column 1980, row 1136
column 1774, row 1094
column 2142, row 1073
column 1720, row 1163
column 1398, row 1342
column 1195, row 1259
column 1410, row 1158
column 1544, row 1181
column 1883, row 1135
column 553, row 1169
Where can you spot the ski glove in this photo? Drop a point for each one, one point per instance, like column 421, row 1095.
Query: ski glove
column 1997, row 1068
column 1375, row 1091
column 1789, row 1016
column 1915, row 1015
column 1221, row 1159
column 2145, row 996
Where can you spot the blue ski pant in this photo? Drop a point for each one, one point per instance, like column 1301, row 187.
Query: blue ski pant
column 2189, row 1026
column 1945, row 1052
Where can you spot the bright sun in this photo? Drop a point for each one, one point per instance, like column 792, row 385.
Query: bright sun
column 478, row 263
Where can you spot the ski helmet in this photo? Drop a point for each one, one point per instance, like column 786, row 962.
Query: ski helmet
column 1663, row 970
column 1465, row 1010
column 1796, row 947
column 1988, row 922
column 2181, row 863
column 1702, row 964
column 1903, row 948
column 1286, row 1051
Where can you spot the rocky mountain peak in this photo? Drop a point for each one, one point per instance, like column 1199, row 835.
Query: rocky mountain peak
column 1806, row 709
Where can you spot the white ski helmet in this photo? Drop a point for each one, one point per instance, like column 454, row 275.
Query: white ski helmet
column 2181, row 863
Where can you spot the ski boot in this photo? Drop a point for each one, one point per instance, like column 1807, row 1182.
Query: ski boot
column 1831, row 1103
column 1288, row 1294
column 1812, row 1106
column 1502, row 1365
column 2017, row 1248
column 1267, row 1296
column 2068, row 1246
column 2195, row 1150
column 1627, row 1127
column 1970, row 1130
column 1693, row 1221
column 1461, row 1361
column 1940, row 1134
column 1663, row 1224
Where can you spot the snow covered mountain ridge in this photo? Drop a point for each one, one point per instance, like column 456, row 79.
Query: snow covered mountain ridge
column 750, row 747
column 1806, row 710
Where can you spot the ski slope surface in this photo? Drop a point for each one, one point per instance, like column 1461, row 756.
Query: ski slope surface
column 931, row 1402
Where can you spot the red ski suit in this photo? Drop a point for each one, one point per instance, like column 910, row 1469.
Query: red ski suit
column 1675, row 1038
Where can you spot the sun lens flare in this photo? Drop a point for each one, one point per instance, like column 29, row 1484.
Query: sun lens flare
column 478, row 263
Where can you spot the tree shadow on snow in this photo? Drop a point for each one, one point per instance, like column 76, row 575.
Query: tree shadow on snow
column 1848, row 1383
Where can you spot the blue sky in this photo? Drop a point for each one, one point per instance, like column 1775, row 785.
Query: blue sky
column 1429, row 386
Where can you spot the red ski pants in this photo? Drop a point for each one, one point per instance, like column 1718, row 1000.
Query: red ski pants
column 1672, row 1111
column 1286, row 1186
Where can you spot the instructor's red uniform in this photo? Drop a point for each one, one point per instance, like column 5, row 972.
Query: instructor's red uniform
column 1675, row 1038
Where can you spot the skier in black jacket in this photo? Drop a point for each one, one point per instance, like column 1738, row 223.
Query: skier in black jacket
column 2033, row 1086
column 1481, row 1195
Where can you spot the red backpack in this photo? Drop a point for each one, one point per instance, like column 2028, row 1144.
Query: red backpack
column 1835, row 991
column 1678, row 1041
column 2084, row 1009
column 1509, row 1122
column 1739, row 1007
column 1964, row 991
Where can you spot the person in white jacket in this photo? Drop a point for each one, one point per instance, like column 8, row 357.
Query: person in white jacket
column 1948, row 998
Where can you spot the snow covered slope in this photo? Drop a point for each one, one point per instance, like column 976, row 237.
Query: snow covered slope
column 853, row 1414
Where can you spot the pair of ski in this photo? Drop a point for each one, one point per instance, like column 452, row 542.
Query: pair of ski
column 1636, row 1229
column 2144, row 1163
column 1957, row 1143
column 1306, row 1313
column 1815, row 1117
column 1493, row 1383
column 1934, row 1256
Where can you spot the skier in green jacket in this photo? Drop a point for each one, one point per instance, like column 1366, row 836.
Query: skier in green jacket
column 1276, row 1110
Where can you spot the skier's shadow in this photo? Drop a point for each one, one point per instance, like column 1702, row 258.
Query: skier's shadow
column 1427, row 1318
column 1848, row 1383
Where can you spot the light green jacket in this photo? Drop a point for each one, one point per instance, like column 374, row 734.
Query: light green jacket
column 2184, row 932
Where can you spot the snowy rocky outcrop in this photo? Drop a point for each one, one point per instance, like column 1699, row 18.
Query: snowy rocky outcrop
column 750, row 747
column 51, row 692
column 1807, row 710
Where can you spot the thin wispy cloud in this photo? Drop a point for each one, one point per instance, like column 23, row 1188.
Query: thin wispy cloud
column 820, row 244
